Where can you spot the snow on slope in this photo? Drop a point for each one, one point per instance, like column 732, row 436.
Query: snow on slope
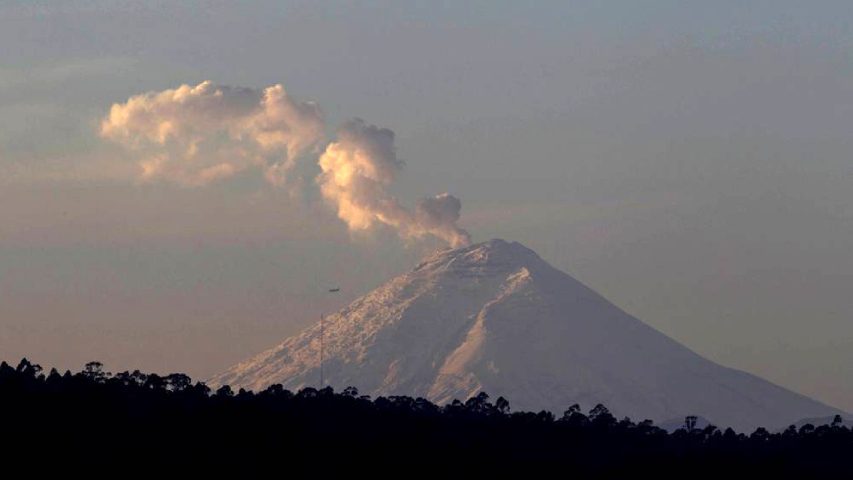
column 495, row 317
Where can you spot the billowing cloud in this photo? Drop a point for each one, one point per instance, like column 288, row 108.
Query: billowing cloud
column 357, row 169
column 438, row 215
column 195, row 135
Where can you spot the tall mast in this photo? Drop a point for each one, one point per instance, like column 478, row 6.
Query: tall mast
column 321, row 350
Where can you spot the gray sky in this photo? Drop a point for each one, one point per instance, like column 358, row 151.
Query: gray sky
column 689, row 160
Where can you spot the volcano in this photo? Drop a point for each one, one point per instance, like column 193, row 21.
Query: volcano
column 495, row 317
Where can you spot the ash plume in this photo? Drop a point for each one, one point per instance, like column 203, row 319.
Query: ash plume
column 197, row 135
column 358, row 167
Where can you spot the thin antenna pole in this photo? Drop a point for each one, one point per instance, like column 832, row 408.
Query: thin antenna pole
column 321, row 350
column 323, row 334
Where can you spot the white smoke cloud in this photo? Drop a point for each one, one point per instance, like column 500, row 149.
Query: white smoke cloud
column 358, row 167
column 195, row 135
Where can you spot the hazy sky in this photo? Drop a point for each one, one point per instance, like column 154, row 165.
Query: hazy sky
column 692, row 161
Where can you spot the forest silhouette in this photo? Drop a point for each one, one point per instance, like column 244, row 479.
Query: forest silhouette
column 132, row 423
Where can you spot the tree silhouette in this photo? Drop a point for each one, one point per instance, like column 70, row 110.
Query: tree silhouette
column 837, row 421
column 690, row 422
column 132, row 422
column 95, row 371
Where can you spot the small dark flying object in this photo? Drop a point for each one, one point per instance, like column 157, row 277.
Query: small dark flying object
column 336, row 289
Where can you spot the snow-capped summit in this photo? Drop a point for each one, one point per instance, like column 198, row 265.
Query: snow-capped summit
column 495, row 317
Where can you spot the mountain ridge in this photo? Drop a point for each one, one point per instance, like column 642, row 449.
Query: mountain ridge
column 495, row 317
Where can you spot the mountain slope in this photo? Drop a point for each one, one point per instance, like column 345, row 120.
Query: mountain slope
column 495, row 317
